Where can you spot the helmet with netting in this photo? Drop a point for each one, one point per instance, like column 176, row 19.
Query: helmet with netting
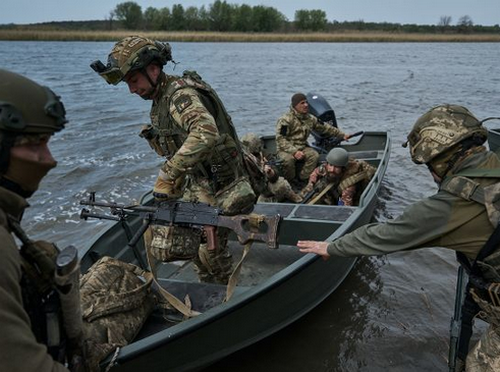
column 27, row 107
column 251, row 142
column 440, row 129
column 337, row 157
column 130, row 54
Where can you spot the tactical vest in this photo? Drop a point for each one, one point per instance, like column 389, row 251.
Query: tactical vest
column 40, row 299
column 489, row 196
column 225, row 162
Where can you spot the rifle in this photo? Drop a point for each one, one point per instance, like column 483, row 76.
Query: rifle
column 252, row 227
column 274, row 162
column 456, row 320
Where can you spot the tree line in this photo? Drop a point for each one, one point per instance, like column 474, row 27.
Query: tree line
column 221, row 16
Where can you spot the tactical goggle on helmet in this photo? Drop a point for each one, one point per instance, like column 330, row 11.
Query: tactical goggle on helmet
column 130, row 54
column 441, row 128
column 27, row 107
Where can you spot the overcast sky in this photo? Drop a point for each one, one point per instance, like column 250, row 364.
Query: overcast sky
column 482, row 12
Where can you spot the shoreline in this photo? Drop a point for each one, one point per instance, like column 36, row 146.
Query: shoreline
column 341, row 37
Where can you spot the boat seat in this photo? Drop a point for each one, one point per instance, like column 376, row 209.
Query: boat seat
column 313, row 212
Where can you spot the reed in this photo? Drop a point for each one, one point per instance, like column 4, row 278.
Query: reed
column 55, row 35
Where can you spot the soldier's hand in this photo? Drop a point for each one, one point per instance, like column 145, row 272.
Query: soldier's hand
column 299, row 155
column 311, row 246
column 165, row 189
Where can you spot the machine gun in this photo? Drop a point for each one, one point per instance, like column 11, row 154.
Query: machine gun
column 251, row 227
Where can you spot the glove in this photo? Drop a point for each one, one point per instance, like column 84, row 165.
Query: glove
column 166, row 189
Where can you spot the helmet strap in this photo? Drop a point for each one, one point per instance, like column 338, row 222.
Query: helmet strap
column 8, row 140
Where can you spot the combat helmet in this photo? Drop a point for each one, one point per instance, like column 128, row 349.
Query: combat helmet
column 130, row 54
column 337, row 157
column 440, row 129
column 252, row 143
column 26, row 108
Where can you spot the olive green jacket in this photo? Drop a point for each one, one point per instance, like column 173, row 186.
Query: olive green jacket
column 442, row 220
column 19, row 350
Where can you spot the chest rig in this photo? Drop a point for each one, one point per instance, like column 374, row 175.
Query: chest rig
column 40, row 298
column 488, row 259
column 225, row 162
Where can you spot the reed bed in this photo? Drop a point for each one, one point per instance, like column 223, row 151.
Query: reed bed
column 55, row 35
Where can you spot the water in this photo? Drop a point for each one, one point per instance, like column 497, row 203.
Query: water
column 392, row 313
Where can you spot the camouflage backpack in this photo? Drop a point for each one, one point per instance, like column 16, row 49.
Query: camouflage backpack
column 116, row 300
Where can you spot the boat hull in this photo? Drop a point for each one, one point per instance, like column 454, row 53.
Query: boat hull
column 261, row 305
column 494, row 140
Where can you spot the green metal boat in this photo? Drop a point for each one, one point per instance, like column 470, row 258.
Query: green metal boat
column 275, row 287
column 494, row 140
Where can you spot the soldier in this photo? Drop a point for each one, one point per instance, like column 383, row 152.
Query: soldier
column 31, row 339
column 344, row 177
column 276, row 189
column 462, row 216
column 192, row 130
column 292, row 131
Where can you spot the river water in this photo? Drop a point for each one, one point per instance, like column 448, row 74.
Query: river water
column 392, row 313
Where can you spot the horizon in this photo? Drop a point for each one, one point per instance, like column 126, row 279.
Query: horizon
column 424, row 12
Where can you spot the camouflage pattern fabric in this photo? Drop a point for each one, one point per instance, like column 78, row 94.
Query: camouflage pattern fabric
column 207, row 151
column 349, row 185
column 272, row 187
column 485, row 355
column 115, row 304
column 237, row 197
column 441, row 128
column 173, row 243
column 292, row 131
column 214, row 266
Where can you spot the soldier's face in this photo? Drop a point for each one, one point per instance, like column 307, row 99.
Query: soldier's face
column 333, row 170
column 302, row 107
column 30, row 162
column 139, row 84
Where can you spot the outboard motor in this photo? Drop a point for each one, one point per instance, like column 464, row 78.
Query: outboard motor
column 319, row 107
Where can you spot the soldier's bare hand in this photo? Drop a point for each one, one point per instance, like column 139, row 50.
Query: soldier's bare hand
column 312, row 246
column 299, row 155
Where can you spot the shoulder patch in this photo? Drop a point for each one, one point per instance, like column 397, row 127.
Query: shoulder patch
column 182, row 103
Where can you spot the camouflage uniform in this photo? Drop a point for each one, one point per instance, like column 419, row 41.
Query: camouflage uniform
column 192, row 130
column 447, row 139
column 276, row 189
column 348, row 186
column 292, row 132
column 189, row 137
